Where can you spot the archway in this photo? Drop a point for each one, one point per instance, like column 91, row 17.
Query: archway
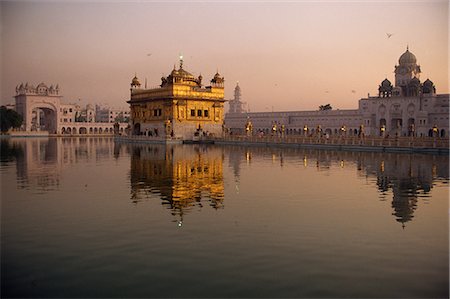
column 137, row 129
column 396, row 126
column 82, row 130
column 43, row 119
column 411, row 127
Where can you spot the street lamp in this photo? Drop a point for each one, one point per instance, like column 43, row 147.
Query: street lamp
column 382, row 129
column 249, row 127
column 343, row 130
column 435, row 131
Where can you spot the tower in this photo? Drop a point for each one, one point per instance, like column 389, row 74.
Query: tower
column 235, row 103
column 407, row 73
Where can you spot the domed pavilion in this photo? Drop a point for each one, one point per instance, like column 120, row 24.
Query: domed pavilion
column 179, row 107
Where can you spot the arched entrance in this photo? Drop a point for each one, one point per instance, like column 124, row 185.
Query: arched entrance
column 39, row 107
column 137, row 129
column 396, row 125
column 411, row 127
column 42, row 119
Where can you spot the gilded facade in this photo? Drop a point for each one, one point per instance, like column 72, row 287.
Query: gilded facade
column 179, row 107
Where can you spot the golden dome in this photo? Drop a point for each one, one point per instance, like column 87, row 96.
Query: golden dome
column 135, row 81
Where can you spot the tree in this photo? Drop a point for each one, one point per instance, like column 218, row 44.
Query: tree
column 121, row 118
column 9, row 119
column 325, row 107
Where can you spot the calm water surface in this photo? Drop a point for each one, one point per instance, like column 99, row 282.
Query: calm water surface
column 89, row 218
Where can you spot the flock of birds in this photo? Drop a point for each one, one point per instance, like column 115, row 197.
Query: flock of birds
column 353, row 91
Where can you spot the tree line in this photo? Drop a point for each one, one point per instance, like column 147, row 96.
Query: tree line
column 9, row 119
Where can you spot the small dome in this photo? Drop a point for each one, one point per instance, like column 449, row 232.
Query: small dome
column 428, row 82
column 428, row 87
column 415, row 81
column 407, row 58
column 185, row 74
column 386, row 83
column 135, row 81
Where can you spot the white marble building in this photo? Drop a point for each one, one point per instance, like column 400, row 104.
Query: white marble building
column 42, row 110
column 408, row 108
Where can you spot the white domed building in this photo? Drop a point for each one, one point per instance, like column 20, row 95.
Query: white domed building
column 408, row 108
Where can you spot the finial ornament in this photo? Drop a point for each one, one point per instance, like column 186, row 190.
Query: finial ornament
column 407, row 47
column 181, row 61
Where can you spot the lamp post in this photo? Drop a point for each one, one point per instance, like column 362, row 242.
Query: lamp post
column 361, row 131
column 249, row 127
column 343, row 130
column 382, row 130
column 435, row 131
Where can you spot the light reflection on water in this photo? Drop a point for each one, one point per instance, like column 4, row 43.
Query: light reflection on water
column 84, row 217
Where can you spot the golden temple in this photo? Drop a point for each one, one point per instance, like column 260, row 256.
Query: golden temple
column 179, row 107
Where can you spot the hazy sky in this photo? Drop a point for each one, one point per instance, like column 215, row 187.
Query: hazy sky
column 291, row 55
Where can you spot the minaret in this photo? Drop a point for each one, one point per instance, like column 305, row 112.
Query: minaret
column 237, row 92
column 236, row 104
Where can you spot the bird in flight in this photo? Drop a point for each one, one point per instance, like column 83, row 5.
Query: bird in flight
column 149, row 54
column 389, row 35
column 353, row 91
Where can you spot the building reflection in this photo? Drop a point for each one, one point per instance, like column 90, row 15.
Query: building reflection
column 40, row 161
column 403, row 177
column 183, row 177
column 408, row 177
column 187, row 177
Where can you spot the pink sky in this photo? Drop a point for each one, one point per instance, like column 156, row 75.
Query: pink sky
column 291, row 55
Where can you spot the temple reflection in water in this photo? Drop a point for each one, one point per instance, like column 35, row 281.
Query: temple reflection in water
column 183, row 176
column 186, row 177
column 408, row 177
